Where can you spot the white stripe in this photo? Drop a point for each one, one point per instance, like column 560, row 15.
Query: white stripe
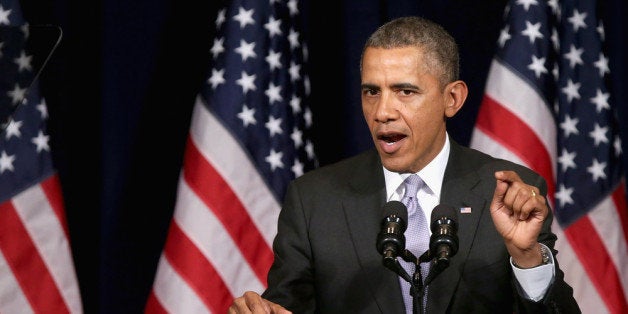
column 173, row 293
column 209, row 236
column 516, row 95
column 484, row 143
column 584, row 291
column 219, row 147
column 607, row 223
column 48, row 235
column 12, row 300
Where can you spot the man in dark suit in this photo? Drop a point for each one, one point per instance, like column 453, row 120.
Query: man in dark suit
column 325, row 249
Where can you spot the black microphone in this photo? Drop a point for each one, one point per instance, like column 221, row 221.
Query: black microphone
column 390, row 241
column 444, row 240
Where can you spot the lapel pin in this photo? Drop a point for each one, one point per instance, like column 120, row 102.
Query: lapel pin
column 465, row 210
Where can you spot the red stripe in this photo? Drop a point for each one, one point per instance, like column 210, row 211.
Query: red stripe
column 153, row 306
column 52, row 189
column 619, row 198
column 196, row 270
column 515, row 135
column 210, row 187
column 596, row 261
column 27, row 265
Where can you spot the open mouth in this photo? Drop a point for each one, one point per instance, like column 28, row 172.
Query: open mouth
column 391, row 138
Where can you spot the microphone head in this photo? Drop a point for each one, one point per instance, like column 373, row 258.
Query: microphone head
column 442, row 210
column 443, row 214
column 397, row 209
column 391, row 240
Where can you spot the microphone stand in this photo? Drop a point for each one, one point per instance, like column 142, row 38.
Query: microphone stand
column 417, row 290
column 416, row 282
column 417, row 286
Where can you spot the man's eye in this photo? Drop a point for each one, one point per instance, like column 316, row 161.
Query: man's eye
column 406, row 92
column 370, row 92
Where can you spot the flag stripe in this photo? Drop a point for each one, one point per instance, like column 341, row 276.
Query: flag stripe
column 216, row 249
column 210, row 187
column 205, row 230
column 52, row 188
column 524, row 102
column 195, row 270
column 607, row 222
column 596, row 260
column 620, row 202
column 519, row 138
column 492, row 147
column 42, row 221
column 172, row 294
column 153, row 306
column 236, row 168
column 15, row 302
column 586, row 294
column 27, row 264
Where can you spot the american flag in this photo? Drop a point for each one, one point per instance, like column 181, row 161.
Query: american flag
column 248, row 138
column 546, row 106
column 36, row 267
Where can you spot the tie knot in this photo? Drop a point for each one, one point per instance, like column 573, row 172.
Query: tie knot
column 412, row 184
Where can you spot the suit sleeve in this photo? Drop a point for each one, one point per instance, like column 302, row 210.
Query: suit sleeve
column 559, row 296
column 290, row 279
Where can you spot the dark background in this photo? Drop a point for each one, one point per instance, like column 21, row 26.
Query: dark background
column 121, row 86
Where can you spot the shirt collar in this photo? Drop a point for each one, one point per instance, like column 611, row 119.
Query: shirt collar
column 432, row 175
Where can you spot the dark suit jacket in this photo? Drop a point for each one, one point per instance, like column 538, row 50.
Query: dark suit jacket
column 326, row 259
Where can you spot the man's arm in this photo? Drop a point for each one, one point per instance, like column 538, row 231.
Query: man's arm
column 522, row 217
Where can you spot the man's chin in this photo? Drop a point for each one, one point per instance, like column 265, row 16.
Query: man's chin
column 394, row 164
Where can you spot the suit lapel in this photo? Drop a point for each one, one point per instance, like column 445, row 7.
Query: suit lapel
column 460, row 189
column 362, row 206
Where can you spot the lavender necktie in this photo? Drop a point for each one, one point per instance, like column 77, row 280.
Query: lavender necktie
column 417, row 236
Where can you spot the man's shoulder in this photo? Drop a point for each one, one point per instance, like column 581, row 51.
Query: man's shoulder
column 472, row 158
column 473, row 155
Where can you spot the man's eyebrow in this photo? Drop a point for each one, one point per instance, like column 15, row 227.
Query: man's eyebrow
column 404, row 86
column 370, row 86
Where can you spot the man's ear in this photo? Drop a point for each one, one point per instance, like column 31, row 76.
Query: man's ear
column 455, row 93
